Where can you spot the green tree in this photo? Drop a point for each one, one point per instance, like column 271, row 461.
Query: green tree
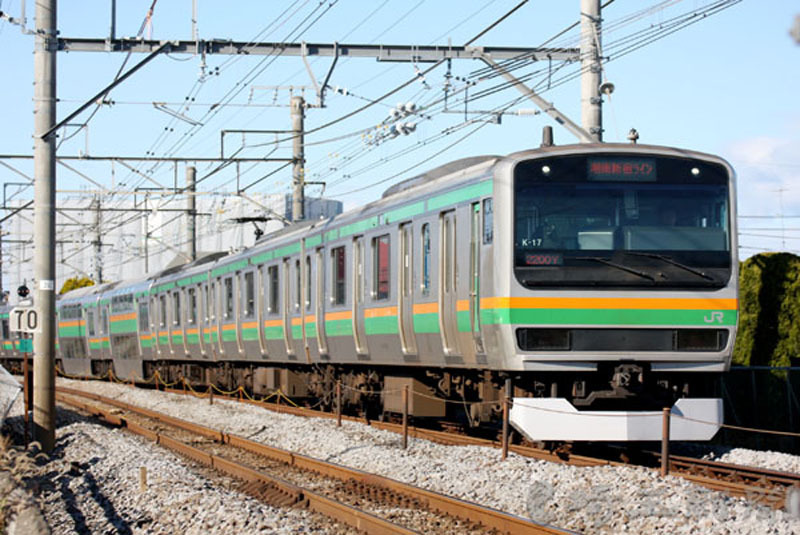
column 74, row 283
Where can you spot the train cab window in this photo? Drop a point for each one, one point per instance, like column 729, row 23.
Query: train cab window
column 488, row 225
column 380, row 263
column 176, row 308
column 191, row 306
column 90, row 322
column 308, row 283
column 249, row 295
column 297, row 293
column 162, row 309
column 337, row 264
column 426, row 259
column 272, row 275
column 228, row 298
column 144, row 316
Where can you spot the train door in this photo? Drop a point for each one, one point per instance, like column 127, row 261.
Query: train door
column 248, row 325
column 474, row 277
column 173, row 322
column 448, row 295
column 105, row 336
column 261, row 278
column 143, row 328
column 190, row 330
column 91, row 332
column 358, row 296
column 405, row 291
column 287, row 318
column 229, row 302
column 199, row 296
column 319, row 311
column 274, row 324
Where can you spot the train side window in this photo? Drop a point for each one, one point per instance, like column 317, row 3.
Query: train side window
column 144, row 316
column 249, row 295
column 337, row 264
column 380, row 262
column 176, row 308
column 488, row 224
column 228, row 298
column 103, row 320
column 162, row 308
column 90, row 321
column 191, row 306
column 308, row 282
column 297, row 293
column 272, row 273
column 426, row 259
column 5, row 329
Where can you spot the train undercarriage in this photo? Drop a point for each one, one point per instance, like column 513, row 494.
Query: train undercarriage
column 471, row 399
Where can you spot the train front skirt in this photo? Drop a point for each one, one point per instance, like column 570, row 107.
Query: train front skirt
column 557, row 419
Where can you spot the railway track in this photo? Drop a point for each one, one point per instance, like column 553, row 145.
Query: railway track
column 360, row 500
column 764, row 486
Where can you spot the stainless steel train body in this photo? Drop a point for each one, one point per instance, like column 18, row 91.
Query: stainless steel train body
column 601, row 278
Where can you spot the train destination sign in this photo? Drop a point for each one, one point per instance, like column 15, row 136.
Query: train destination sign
column 24, row 319
column 622, row 169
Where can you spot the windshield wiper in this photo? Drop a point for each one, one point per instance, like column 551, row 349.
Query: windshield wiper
column 618, row 266
column 675, row 263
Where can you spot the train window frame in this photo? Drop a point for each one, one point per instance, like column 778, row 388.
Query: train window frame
column 227, row 284
column 191, row 306
column 308, row 282
column 488, row 221
column 144, row 318
column 162, row 309
column 339, row 275
column 103, row 319
column 381, row 264
column 273, row 284
column 91, row 328
column 425, row 259
column 249, row 297
column 176, row 308
column 298, row 294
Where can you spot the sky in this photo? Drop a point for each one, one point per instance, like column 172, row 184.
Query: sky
column 727, row 85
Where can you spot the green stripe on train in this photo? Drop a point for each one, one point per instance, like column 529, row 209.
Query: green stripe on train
column 123, row 326
column 542, row 316
column 426, row 323
column 339, row 327
column 381, row 325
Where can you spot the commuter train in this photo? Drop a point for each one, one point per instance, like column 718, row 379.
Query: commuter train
column 593, row 284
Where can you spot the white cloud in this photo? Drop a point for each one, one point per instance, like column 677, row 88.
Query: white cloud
column 768, row 170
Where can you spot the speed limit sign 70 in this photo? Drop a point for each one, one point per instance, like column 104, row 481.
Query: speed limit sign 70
column 24, row 320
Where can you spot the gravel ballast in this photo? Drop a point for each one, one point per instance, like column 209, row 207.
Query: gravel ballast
column 591, row 500
column 92, row 485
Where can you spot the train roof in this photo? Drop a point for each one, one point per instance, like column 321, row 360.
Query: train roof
column 436, row 173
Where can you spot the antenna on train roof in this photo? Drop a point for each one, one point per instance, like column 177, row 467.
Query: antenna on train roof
column 547, row 136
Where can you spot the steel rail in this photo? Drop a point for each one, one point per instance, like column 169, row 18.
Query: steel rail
column 762, row 485
column 337, row 511
column 490, row 518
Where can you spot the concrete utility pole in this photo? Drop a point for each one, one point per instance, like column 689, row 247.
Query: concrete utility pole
column 98, row 241
column 44, row 156
column 191, row 211
column 591, row 70
column 298, row 154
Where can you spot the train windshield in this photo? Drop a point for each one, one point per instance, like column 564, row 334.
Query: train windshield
column 621, row 220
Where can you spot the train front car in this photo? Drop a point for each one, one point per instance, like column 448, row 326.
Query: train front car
column 622, row 298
